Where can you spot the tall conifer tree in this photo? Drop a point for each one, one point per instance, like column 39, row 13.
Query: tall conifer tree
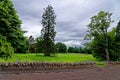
column 48, row 32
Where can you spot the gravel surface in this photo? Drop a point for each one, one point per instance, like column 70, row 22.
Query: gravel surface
column 105, row 73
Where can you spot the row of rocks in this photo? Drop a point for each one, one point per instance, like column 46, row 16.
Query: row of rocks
column 44, row 65
column 112, row 62
column 50, row 66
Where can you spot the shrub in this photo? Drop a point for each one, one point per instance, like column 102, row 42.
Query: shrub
column 6, row 50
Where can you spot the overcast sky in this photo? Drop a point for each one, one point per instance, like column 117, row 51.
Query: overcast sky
column 72, row 16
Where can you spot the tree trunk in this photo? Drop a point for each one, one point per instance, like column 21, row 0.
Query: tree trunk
column 107, row 54
column 106, row 46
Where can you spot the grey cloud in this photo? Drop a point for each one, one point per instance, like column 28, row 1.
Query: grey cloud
column 72, row 16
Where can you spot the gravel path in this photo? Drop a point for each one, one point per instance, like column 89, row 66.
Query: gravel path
column 106, row 73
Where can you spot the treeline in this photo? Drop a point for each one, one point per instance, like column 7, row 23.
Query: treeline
column 82, row 50
column 36, row 46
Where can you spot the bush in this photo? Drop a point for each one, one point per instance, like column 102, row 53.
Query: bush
column 6, row 50
column 99, row 51
column 61, row 47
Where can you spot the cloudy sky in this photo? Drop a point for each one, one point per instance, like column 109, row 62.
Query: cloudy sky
column 72, row 16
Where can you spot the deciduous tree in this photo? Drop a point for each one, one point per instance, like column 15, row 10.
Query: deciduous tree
column 98, row 30
column 10, row 26
column 61, row 47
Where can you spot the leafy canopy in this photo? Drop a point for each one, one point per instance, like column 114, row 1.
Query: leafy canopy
column 98, row 30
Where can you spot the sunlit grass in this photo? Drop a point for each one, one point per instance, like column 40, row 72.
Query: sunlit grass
column 57, row 58
column 100, row 63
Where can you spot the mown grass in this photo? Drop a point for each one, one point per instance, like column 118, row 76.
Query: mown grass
column 57, row 58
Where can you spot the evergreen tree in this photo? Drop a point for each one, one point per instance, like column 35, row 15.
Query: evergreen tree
column 10, row 26
column 48, row 32
column 39, row 45
column 31, row 44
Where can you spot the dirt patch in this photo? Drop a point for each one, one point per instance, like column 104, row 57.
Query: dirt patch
column 105, row 73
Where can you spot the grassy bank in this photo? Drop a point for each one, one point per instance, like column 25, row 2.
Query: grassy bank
column 57, row 58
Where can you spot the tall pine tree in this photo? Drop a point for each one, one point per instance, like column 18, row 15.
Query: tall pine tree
column 10, row 26
column 48, row 32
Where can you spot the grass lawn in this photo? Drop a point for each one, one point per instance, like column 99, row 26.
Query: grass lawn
column 57, row 58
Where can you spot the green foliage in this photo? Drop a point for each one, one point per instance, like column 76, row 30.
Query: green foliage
column 61, row 47
column 48, row 32
column 99, row 24
column 31, row 42
column 70, row 50
column 6, row 50
column 86, row 50
column 98, row 30
column 100, row 64
column 97, row 47
column 79, row 50
column 117, row 40
column 58, row 58
column 117, row 35
column 22, row 47
column 39, row 45
column 73, row 50
column 112, row 44
column 10, row 26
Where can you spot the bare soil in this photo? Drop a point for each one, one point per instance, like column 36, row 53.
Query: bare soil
column 104, row 73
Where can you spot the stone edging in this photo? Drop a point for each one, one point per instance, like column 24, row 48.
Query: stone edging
column 50, row 66
column 44, row 65
column 112, row 62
